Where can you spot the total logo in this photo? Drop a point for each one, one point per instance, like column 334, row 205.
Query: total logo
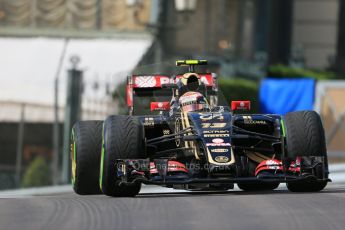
column 218, row 142
column 160, row 104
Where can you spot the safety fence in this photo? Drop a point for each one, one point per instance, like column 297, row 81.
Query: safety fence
column 330, row 104
column 27, row 131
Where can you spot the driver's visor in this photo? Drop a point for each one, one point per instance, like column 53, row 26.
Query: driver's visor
column 193, row 107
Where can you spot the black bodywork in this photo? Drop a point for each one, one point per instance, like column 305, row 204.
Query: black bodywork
column 217, row 146
column 262, row 134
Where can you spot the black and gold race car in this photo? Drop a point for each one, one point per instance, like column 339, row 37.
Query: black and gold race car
column 189, row 142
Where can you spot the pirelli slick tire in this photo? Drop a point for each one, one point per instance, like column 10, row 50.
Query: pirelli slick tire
column 258, row 186
column 86, row 145
column 305, row 136
column 123, row 138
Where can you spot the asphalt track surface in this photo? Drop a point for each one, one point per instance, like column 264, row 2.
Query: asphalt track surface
column 234, row 209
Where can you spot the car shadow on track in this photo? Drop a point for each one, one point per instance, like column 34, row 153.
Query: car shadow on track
column 236, row 193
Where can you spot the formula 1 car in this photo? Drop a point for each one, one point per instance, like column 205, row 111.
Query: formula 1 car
column 189, row 142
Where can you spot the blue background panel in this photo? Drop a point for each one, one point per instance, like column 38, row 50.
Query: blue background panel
column 280, row 96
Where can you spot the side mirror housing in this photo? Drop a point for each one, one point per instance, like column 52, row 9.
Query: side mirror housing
column 160, row 106
column 240, row 105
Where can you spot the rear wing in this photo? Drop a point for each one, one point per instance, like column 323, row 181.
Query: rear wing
column 141, row 88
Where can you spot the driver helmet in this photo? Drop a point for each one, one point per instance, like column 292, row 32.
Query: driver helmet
column 193, row 101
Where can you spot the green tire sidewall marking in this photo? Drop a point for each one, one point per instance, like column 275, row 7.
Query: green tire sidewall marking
column 282, row 126
column 102, row 161
column 74, row 158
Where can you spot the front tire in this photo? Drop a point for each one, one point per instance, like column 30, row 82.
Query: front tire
column 123, row 138
column 86, row 147
column 305, row 136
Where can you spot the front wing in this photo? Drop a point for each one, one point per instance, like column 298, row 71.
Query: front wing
column 161, row 172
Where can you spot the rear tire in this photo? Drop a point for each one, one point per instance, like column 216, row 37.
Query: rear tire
column 86, row 147
column 305, row 136
column 123, row 138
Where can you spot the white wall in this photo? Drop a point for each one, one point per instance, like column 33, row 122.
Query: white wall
column 28, row 66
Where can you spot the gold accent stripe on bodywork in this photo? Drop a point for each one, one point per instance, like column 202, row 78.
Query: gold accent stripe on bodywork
column 184, row 126
column 191, row 144
column 257, row 157
column 262, row 156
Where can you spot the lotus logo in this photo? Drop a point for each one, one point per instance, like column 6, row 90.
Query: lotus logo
column 221, row 159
